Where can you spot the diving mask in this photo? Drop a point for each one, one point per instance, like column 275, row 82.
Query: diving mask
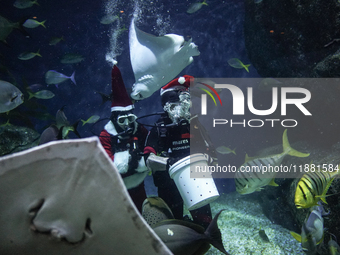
column 126, row 119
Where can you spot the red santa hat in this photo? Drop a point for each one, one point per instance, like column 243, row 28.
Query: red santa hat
column 120, row 98
column 180, row 83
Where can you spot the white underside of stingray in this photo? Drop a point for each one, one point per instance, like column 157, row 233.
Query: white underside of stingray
column 66, row 197
column 156, row 60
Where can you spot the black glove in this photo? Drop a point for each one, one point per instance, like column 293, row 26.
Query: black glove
column 133, row 163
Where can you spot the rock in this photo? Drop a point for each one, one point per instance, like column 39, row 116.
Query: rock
column 288, row 38
column 240, row 225
column 16, row 138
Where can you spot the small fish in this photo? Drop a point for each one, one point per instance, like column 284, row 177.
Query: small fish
column 23, row 4
column 64, row 125
column 312, row 231
column 42, row 94
column 195, row 7
column 28, row 55
column 186, row 238
column 10, row 96
column 181, row 237
column 34, row 87
column 55, row 40
column 52, row 133
column 257, row 1
column 6, row 27
column 334, row 248
column 263, row 236
column 155, row 210
column 251, row 181
column 236, row 63
column 32, row 23
column 105, row 97
column 92, row 119
column 5, row 124
column 53, row 77
column 71, row 58
column 312, row 187
column 66, row 130
column 267, row 84
column 108, row 19
column 225, row 150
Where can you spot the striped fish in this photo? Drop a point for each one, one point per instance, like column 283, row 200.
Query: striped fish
column 250, row 181
column 313, row 187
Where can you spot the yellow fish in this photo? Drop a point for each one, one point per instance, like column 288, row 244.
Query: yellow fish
column 312, row 187
column 333, row 247
column 236, row 63
column 225, row 150
column 250, row 181
column 92, row 119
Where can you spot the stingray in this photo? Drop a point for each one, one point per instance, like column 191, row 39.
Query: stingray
column 66, row 197
column 156, row 60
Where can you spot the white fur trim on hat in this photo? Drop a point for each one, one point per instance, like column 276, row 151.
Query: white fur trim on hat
column 122, row 108
column 162, row 91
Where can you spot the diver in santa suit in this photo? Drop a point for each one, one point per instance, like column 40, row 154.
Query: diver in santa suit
column 123, row 139
column 171, row 138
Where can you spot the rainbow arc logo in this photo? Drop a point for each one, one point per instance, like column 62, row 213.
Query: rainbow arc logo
column 209, row 93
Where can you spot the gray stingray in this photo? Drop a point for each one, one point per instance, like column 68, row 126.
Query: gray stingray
column 66, row 197
column 156, row 60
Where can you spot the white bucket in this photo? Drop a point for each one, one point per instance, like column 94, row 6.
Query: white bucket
column 195, row 192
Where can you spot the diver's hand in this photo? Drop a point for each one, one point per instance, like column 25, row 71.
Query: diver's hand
column 141, row 166
column 121, row 160
column 156, row 163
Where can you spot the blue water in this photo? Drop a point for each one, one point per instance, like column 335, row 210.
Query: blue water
column 217, row 29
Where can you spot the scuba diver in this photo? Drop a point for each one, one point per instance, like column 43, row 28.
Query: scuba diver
column 170, row 138
column 123, row 139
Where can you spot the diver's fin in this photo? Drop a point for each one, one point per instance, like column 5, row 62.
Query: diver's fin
column 214, row 234
column 160, row 205
column 289, row 150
